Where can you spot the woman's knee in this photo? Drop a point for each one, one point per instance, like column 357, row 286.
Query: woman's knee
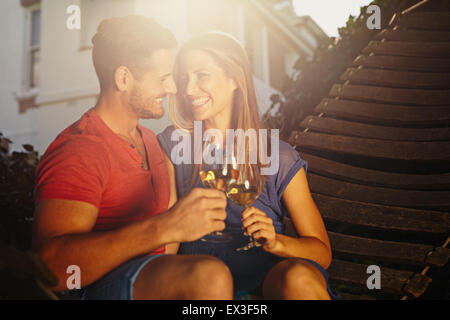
column 299, row 279
column 299, row 273
column 211, row 276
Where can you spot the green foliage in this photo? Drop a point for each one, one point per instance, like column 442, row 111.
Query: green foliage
column 16, row 194
column 315, row 77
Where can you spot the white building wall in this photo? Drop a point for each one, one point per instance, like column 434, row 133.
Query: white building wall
column 308, row 37
column 68, row 84
column 66, row 69
column 19, row 128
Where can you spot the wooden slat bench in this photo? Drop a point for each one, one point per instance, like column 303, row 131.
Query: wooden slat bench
column 403, row 63
column 409, row 49
column 397, row 282
column 414, row 35
column 394, row 281
column 391, row 95
column 398, row 79
column 369, row 177
column 363, row 130
column 381, row 217
column 432, row 200
column 390, row 251
column 382, row 149
column 424, row 116
column 378, row 153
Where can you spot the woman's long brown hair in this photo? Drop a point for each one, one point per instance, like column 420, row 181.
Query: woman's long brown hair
column 231, row 57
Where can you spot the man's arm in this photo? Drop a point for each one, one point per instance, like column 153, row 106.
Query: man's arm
column 62, row 233
column 63, row 237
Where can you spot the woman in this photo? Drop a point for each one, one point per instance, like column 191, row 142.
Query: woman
column 215, row 86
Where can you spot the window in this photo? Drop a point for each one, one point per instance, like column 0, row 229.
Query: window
column 26, row 96
column 94, row 11
column 34, row 48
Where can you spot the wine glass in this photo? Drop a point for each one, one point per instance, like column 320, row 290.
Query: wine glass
column 244, row 191
column 217, row 174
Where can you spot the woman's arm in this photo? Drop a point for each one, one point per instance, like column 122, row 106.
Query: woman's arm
column 313, row 243
column 172, row 247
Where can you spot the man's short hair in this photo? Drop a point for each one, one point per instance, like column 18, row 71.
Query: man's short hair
column 127, row 41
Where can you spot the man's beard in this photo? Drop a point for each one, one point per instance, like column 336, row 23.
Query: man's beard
column 145, row 108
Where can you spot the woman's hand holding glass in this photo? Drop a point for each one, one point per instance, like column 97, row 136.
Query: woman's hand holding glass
column 256, row 223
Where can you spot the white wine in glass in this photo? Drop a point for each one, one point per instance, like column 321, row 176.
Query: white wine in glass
column 244, row 191
column 217, row 175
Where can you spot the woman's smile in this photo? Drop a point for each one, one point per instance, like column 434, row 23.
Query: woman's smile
column 198, row 102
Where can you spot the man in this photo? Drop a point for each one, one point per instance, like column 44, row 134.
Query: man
column 102, row 195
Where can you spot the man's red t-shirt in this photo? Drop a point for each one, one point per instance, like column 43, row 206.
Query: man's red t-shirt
column 88, row 162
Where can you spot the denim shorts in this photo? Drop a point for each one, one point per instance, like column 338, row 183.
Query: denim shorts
column 248, row 268
column 241, row 294
column 118, row 284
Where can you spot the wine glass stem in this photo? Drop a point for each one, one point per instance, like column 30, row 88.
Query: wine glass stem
column 252, row 239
